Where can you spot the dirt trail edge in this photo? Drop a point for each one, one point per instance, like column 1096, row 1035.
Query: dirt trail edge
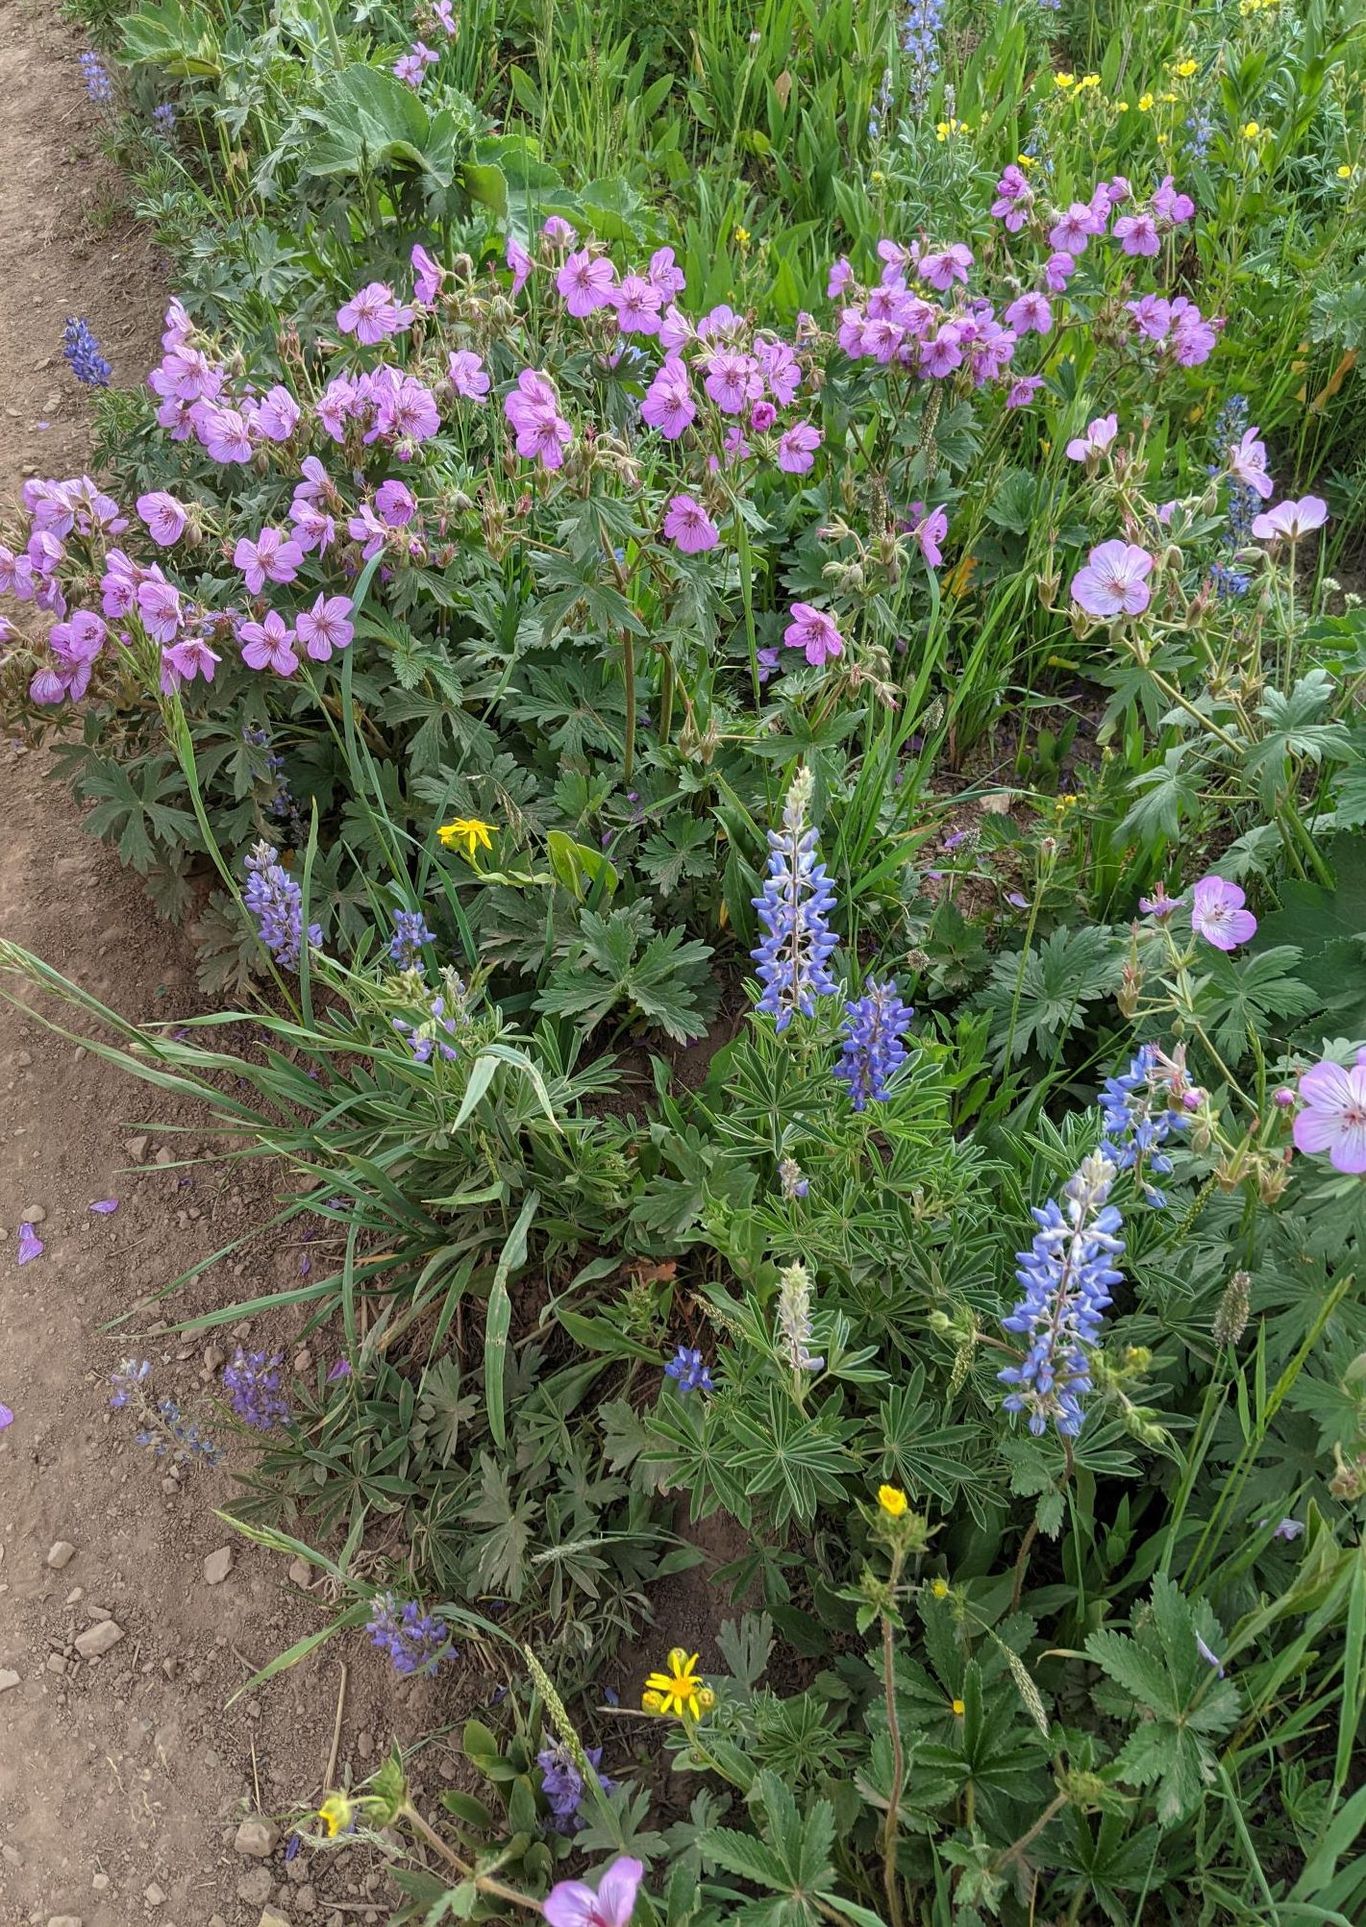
column 124, row 1770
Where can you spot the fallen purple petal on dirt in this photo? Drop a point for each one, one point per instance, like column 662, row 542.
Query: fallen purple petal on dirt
column 6, row 1417
column 105, row 1206
column 30, row 1244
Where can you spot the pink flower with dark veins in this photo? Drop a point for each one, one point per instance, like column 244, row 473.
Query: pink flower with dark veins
column 1334, row 1114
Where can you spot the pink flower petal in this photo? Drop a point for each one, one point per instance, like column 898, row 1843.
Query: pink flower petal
column 105, row 1205
column 30, row 1244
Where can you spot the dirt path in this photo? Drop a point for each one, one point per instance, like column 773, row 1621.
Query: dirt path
column 123, row 1776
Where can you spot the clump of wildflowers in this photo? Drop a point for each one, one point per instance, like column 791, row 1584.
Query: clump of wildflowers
column 792, row 958
column 82, row 352
column 872, row 1051
column 415, row 1641
column 276, row 901
column 253, row 1382
column 688, row 1372
column 1066, row 1277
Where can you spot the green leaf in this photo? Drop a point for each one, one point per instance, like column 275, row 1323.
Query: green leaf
column 499, row 1319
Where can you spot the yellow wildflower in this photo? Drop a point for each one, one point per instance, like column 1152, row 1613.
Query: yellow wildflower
column 1250, row 130
column 940, row 1588
column 1145, row 102
column 1064, row 80
column 336, row 1814
column 1088, row 80
column 1168, row 98
column 892, row 1500
column 679, row 1690
column 877, row 177
column 1026, row 161
column 959, row 1709
column 1184, row 69
column 469, row 831
column 1344, row 173
column 1121, row 106
column 742, row 239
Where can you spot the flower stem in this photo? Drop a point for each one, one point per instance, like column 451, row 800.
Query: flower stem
column 890, row 1884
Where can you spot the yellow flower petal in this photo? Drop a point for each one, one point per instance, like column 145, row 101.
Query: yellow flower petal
column 892, row 1500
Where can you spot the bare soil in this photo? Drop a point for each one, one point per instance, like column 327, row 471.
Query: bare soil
column 123, row 1777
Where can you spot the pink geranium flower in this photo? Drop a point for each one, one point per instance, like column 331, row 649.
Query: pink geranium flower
column 1093, row 444
column 1247, row 464
column 797, row 448
column 572, row 1903
column 687, row 523
column 1334, row 1117
column 929, row 531
column 1029, row 314
column 268, row 645
column 373, row 314
column 586, row 282
column 467, row 375
column 533, row 409
column 326, row 626
column 638, row 302
column 942, row 269
column 427, row 275
column 186, row 660
column 1292, row 520
column 1217, row 913
column 668, row 404
column 520, row 262
column 1114, row 581
column 164, row 516
column 272, row 557
column 1137, row 234
column 814, row 631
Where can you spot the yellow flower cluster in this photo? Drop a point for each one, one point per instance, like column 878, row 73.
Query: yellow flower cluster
column 1245, row 7
column 944, row 128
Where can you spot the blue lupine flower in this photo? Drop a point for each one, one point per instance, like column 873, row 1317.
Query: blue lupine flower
column 282, row 807
column 163, row 119
column 920, row 41
column 445, row 1016
column 872, row 1050
column 277, row 903
column 410, row 933
column 82, row 351
column 794, row 1181
column 98, row 85
column 253, row 1380
column 792, row 959
column 688, row 1372
column 1200, row 129
column 127, row 1379
column 1138, row 1118
column 1066, row 1276
column 563, row 1785
column 414, row 1640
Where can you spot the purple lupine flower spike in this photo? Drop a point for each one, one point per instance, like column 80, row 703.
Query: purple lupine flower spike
column 277, row 903
column 792, row 958
column 253, row 1381
column 415, row 1641
column 1067, row 1276
column 872, row 1050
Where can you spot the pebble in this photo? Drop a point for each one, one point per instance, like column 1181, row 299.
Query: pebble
column 270, row 1918
column 100, row 1882
column 61, row 1554
column 217, row 1566
column 7, row 1679
column 33, row 1214
column 63, row 1920
column 254, row 1888
column 257, row 1837
column 300, row 1572
column 153, row 1894
column 99, row 1638
column 136, row 1148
